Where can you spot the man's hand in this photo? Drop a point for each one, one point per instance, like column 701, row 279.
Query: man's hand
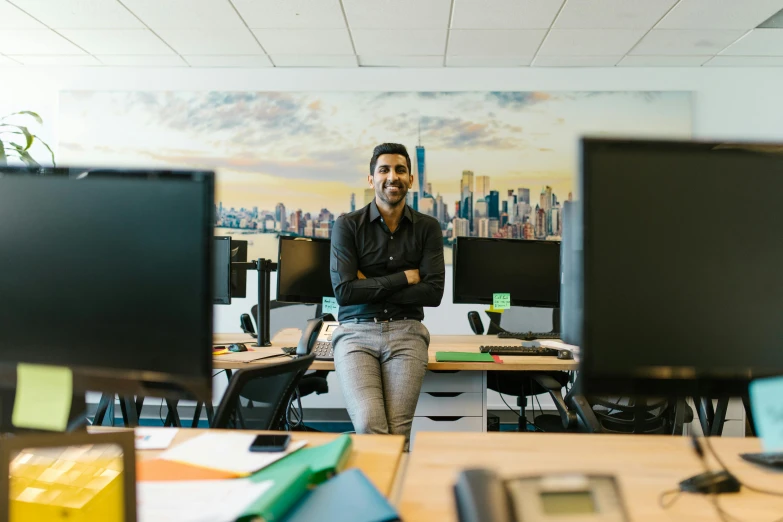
column 413, row 276
column 360, row 275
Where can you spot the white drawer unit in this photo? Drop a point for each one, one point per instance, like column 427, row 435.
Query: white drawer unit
column 450, row 404
column 447, row 424
column 453, row 381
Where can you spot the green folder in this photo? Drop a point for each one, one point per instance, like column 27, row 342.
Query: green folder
column 325, row 460
column 289, row 484
column 463, row 357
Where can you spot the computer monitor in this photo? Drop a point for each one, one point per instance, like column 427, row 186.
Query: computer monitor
column 238, row 277
column 683, row 286
column 108, row 272
column 303, row 270
column 221, row 265
column 571, row 274
column 529, row 270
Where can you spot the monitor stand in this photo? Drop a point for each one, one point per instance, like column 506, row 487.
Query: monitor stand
column 264, row 267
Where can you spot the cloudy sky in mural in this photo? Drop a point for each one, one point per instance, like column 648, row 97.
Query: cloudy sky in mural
column 311, row 150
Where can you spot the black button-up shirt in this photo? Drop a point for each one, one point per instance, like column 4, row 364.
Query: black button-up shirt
column 362, row 241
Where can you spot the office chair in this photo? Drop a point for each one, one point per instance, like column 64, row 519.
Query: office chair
column 526, row 384
column 270, row 389
column 312, row 382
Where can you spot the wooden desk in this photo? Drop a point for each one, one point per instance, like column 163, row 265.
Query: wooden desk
column 378, row 456
column 438, row 343
column 645, row 466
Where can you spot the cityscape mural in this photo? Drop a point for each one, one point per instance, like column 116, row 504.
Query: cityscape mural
column 488, row 164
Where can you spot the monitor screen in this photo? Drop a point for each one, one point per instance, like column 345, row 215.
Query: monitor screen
column 529, row 270
column 109, row 272
column 238, row 277
column 221, row 264
column 683, row 287
column 303, row 270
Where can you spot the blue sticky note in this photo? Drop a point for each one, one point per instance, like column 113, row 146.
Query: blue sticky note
column 767, row 411
column 329, row 306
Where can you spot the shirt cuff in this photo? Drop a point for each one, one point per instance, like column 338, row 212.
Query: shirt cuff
column 398, row 280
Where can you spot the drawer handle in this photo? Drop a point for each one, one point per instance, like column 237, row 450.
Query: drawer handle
column 443, row 419
column 444, row 371
column 444, row 394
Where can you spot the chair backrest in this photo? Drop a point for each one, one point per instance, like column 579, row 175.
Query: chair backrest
column 639, row 415
column 268, row 388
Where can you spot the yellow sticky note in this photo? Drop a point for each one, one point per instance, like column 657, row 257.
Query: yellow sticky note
column 495, row 310
column 43, row 397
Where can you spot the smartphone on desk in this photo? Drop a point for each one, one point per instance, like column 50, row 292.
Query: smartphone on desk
column 270, row 443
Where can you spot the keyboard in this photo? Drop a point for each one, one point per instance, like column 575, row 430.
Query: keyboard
column 323, row 351
column 529, row 336
column 519, row 350
column 771, row 460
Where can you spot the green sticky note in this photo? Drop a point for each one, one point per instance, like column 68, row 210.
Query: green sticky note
column 767, row 411
column 43, row 397
column 329, row 306
column 501, row 301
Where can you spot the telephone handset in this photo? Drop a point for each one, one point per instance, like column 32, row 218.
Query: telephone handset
column 318, row 330
column 482, row 496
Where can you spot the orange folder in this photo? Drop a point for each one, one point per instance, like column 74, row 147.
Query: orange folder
column 157, row 470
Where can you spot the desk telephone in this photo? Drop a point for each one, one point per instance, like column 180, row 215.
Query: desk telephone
column 482, row 496
column 317, row 338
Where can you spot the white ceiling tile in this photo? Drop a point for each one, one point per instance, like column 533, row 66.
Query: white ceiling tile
column 401, row 61
column 745, row 61
column 663, row 61
column 611, row 14
column 211, row 41
column 712, row 14
column 5, row 61
column 302, row 60
column 142, row 61
column 396, row 42
column 186, row 14
column 589, row 42
column 759, row 42
column 504, row 14
column 504, row 42
column 35, row 41
column 117, row 41
column 688, row 42
column 58, row 60
column 315, row 42
column 488, row 61
column 291, row 14
column 12, row 17
column 228, row 61
column 575, row 61
column 80, row 14
column 407, row 14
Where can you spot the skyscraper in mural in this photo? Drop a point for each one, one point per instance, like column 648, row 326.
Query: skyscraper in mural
column 421, row 168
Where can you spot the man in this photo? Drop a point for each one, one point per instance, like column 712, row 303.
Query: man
column 386, row 264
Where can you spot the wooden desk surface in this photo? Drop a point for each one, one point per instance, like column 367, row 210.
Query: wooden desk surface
column 645, row 466
column 438, row 343
column 378, row 456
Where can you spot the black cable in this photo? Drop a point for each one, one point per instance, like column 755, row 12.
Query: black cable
column 726, row 469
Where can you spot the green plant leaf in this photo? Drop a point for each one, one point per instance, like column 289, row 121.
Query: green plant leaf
column 29, row 113
column 3, row 157
column 54, row 163
column 25, row 156
column 27, row 135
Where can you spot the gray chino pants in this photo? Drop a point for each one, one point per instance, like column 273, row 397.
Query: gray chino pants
column 381, row 367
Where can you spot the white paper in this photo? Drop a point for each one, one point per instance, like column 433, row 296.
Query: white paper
column 197, row 500
column 154, row 438
column 559, row 345
column 227, row 452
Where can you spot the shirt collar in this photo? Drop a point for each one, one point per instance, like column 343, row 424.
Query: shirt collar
column 376, row 214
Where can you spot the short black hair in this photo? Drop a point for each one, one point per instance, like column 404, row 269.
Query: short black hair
column 389, row 148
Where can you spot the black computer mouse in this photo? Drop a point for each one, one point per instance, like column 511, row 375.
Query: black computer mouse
column 237, row 347
column 565, row 354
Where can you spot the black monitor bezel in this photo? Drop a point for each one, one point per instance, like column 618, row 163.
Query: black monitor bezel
column 135, row 381
column 223, row 300
column 293, row 298
column 460, row 299
column 660, row 381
